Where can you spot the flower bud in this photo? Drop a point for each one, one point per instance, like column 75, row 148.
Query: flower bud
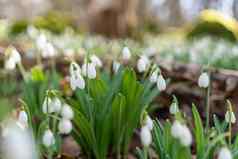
column 145, row 136
column 142, row 63
column 67, row 112
column 96, row 60
column 77, row 81
column 56, row 104
column 161, row 83
column 48, row 138
column 115, row 66
column 47, row 106
column 173, row 109
column 149, row 122
column 203, row 80
column 224, row 153
column 154, row 76
column 126, row 54
column 65, row 126
column 89, row 70
column 230, row 117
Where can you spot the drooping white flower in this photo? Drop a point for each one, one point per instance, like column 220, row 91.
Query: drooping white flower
column 74, row 69
column 186, row 137
column 41, row 41
column 177, row 129
column 173, row 109
column 149, row 122
column 67, row 112
column 224, row 153
column 48, row 138
column 15, row 55
column 145, row 136
column 48, row 51
column 56, row 104
column 47, row 106
column 23, row 119
column 65, row 126
column 126, row 54
column 32, row 31
column 10, row 64
column 115, row 66
column 77, row 81
column 142, row 63
column 17, row 144
column 96, row 60
column 182, row 133
column 161, row 83
column 154, row 76
column 230, row 117
column 203, row 80
column 89, row 70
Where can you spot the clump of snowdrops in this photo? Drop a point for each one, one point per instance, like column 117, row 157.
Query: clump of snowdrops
column 107, row 108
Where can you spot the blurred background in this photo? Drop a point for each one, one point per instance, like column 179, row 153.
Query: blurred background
column 115, row 18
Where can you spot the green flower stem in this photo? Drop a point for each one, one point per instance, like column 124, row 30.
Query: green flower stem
column 208, row 107
column 22, row 71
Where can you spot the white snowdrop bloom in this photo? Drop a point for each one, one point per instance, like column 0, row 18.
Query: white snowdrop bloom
column 203, row 80
column 48, row 51
column 149, row 122
column 77, row 81
column 182, row 133
column 18, row 144
column 173, row 109
column 74, row 69
column 41, row 41
column 115, row 66
column 154, row 76
column 177, row 129
column 10, row 64
column 224, row 153
column 23, row 119
column 67, row 112
column 48, row 138
column 89, row 70
column 230, row 117
column 126, row 54
column 32, row 31
column 161, row 83
column 142, row 63
column 47, row 106
column 145, row 136
column 56, row 104
column 186, row 137
column 96, row 60
column 65, row 126
column 15, row 55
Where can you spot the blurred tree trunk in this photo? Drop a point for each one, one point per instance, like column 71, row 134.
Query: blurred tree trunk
column 112, row 18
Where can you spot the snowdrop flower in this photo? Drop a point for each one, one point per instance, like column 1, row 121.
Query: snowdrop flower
column 186, row 137
column 224, row 153
column 149, row 122
column 142, row 63
column 67, row 112
column 115, row 66
column 154, row 76
column 48, row 138
column 96, row 60
column 182, row 133
column 203, row 80
column 77, row 81
column 48, row 51
column 41, row 42
column 23, row 119
column 10, row 64
column 18, row 144
column 65, row 126
column 15, row 55
column 89, row 70
column 32, row 31
column 230, row 117
column 145, row 136
column 47, row 106
column 126, row 54
column 74, row 69
column 173, row 109
column 56, row 104
column 161, row 83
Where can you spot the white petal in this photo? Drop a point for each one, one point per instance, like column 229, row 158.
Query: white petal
column 161, row 83
column 56, row 104
column 23, row 119
column 96, row 61
column 224, row 153
column 126, row 54
column 203, row 80
column 149, row 122
column 115, row 66
column 48, row 138
column 67, row 112
column 145, row 136
column 154, row 76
